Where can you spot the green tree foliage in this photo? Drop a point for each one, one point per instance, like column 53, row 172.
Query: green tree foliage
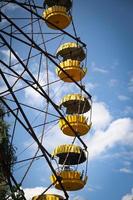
column 7, row 153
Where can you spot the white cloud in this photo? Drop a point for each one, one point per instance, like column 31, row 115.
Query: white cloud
column 90, row 189
column 98, row 69
column 6, row 54
column 126, row 170
column 106, row 134
column 90, row 86
column 62, row 139
column 101, row 116
column 51, row 134
column 123, row 98
column 78, row 197
column 56, row 91
column 128, row 196
column 32, row 97
column 119, row 131
column 30, row 192
column 11, row 81
column 94, row 188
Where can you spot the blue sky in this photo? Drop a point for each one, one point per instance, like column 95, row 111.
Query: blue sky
column 106, row 27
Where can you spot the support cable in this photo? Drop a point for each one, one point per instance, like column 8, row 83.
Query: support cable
column 32, row 107
column 44, row 124
column 49, row 129
column 34, row 135
column 27, row 159
column 13, row 132
column 29, row 44
column 44, row 93
column 22, row 88
column 40, row 17
column 44, row 52
column 39, row 197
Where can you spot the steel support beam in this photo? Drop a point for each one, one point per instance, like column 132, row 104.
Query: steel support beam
column 32, row 133
column 45, row 53
column 40, row 17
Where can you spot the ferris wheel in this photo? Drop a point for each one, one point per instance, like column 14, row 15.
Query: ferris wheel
column 42, row 72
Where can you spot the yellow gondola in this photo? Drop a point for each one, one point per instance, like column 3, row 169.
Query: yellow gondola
column 71, row 180
column 77, row 122
column 69, row 154
column 72, row 68
column 58, row 16
column 48, row 197
column 75, row 104
column 67, row 3
column 71, row 50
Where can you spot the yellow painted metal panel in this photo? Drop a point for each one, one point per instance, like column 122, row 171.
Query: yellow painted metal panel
column 48, row 197
column 58, row 16
column 73, row 69
column 78, row 123
column 71, row 180
column 71, row 50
